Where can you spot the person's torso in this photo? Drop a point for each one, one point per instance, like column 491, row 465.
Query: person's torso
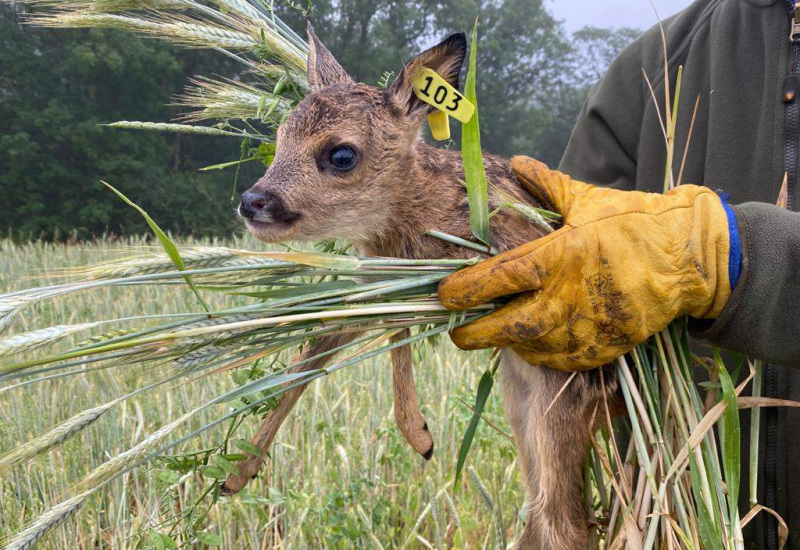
column 739, row 67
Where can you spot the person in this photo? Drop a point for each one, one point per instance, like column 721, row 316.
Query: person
column 629, row 259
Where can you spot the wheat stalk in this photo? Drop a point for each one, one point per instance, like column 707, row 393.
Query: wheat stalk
column 109, row 6
column 196, row 258
column 214, row 99
column 486, row 499
column 531, row 214
column 241, row 29
column 199, row 357
column 186, row 33
column 48, row 521
column 54, row 436
column 34, row 339
column 170, row 127
column 134, row 456
column 12, row 304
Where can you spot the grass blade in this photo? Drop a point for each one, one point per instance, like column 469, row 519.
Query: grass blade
column 474, row 172
column 755, row 425
column 731, row 450
column 484, row 390
column 166, row 242
column 708, row 531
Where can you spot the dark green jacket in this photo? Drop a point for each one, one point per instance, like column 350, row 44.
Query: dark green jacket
column 736, row 56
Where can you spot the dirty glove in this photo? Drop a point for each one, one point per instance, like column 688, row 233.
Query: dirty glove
column 622, row 267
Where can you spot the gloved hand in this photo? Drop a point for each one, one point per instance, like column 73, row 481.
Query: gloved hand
column 622, row 267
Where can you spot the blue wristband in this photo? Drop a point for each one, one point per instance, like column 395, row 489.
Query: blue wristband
column 735, row 257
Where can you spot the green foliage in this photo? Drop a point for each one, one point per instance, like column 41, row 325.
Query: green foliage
column 484, row 391
column 166, row 243
column 160, row 541
column 57, row 88
column 474, row 171
column 341, row 450
column 730, row 433
column 596, row 48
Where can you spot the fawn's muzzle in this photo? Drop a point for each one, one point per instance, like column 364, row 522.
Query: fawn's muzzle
column 265, row 207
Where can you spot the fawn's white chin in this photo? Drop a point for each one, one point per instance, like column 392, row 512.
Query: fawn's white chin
column 269, row 232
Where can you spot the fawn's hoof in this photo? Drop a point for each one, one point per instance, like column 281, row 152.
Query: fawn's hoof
column 234, row 484
column 248, row 469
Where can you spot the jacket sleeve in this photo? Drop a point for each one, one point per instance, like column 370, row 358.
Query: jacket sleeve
column 619, row 110
column 762, row 317
column 599, row 149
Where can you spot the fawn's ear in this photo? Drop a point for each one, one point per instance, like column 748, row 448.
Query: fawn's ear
column 323, row 70
column 446, row 58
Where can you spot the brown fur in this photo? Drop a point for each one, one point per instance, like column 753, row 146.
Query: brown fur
column 406, row 408
column 400, row 188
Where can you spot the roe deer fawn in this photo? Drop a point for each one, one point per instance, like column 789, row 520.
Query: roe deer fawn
column 350, row 164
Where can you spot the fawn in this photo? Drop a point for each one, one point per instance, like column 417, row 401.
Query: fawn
column 350, row 164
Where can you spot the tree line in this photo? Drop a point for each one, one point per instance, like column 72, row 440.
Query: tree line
column 59, row 87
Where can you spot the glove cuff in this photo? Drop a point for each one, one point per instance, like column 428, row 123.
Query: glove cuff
column 735, row 253
column 711, row 232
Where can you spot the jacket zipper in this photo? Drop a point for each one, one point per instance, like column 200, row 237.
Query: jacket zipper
column 792, row 133
column 770, row 495
column 791, row 86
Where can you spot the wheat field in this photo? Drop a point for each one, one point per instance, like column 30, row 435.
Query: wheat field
column 340, row 474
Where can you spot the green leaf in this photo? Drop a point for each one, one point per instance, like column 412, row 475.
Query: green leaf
column 708, row 532
column 730, row 430
column 299, row 290
column 280, row 86
column 209, row 539
column 235, row 457
column 166, row 243
column 227, row 164
column 240, row 376
column 214, row 472
column 225, row 464
column 169, row 476
column 484, row 390
column 238, row 404
column 155, row 539
column 316, row 259
column 160, row 541
column 248, row 447
column 474, row 172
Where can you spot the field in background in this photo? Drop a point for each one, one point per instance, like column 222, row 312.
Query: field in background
column 341, row 475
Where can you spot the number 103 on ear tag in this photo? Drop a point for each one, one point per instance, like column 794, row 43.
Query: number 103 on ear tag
column 434, row 90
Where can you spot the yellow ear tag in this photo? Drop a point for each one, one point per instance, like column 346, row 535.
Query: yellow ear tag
column 440, row 125
column 434, row 90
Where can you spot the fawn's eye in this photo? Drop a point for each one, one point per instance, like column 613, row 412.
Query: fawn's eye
column 343, row 158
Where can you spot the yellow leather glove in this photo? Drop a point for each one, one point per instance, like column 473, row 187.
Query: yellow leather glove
column 622, row 267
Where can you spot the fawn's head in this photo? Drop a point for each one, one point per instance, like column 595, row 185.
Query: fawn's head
column 345, row 155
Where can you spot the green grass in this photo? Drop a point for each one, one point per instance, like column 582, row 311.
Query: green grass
column 341, row 475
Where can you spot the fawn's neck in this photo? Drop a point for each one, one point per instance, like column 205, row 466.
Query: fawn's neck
column 435, row 198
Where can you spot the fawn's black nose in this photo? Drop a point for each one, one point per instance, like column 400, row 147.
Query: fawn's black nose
column 265, row 206
column 252, row 203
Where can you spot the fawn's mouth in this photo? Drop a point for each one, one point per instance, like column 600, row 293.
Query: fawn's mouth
column 270, row 231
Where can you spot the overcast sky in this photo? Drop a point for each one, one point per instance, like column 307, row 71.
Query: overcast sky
column 613, row 13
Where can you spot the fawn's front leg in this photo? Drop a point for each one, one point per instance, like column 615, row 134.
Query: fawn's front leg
column 248, row 468
column 407, row 415
column 406, row 409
